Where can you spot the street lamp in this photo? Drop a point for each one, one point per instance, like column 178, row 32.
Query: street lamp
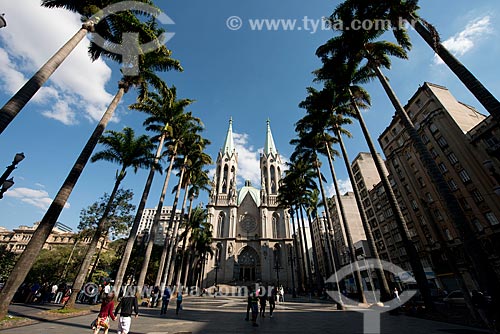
column 216, row 267
column 3, row 23
column 6, row 184
column 290, row 260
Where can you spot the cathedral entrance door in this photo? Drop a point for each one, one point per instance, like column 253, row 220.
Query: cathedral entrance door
column 248, row 261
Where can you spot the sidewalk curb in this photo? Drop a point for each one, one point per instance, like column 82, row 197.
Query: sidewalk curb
column 43, row 316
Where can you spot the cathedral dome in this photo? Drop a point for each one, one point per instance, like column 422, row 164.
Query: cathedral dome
column 254, row 192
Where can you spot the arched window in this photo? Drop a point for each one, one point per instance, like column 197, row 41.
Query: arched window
column 277, row 256
column 275, row 225
column 220, row 225
column 224, row 180
column 273, row 180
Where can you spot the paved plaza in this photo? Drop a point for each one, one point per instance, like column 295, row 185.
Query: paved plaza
column 226, row 315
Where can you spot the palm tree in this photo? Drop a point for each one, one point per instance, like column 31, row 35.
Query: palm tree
column 154, row 61
column 128, row 151
column 165, row 111
column 92, row 23
column 192, row 148
column 312, row 214
column 399, row 12
column 200, row 240
column 195, row 174
column 306, row 149
column 181, row 124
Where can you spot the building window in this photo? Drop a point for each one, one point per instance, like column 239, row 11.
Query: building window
column 434, row 153
column 492, row 219
column 464, row 176
column 429, row 197
column 442, row 168
column 433, row 128
column 448, row 234
column 425, row 139
column 408, row 155
column 478, row 225
column 421, row 182
column 453, row 158
column 438, row 215
column 220, row 230
column 414, row 204
column 452, row 184
column 419, row 103
column 275, row 227
column 477, row 196
column 442, row 142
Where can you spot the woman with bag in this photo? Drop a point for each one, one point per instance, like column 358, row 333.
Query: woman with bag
column 105, row 313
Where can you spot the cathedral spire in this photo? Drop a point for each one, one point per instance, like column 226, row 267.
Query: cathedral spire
column 269, row 146
column 229, row 143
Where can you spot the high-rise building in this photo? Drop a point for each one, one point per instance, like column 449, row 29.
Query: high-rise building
column 443, row 124
column 251, row 232
column 147, row 222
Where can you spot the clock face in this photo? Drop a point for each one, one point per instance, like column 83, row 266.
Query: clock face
column 248, row 224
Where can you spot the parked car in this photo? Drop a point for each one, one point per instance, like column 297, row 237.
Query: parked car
column 454, row 298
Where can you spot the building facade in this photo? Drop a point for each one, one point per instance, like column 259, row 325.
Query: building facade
column 147, row 221
column 443, row 124
column 252, row 238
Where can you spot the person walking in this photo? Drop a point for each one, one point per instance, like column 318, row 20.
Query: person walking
column 254, row 300
column 262, row 302
column 165, row 299
column 249, row 303
column 126, row 307
column 105, row 313
column 272, row 301
column 179, row 302
column 281, row 295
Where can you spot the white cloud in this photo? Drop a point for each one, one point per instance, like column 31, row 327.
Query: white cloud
column 344, row 187
column 35, row 197
column 248, row 160
column 464, row 41
column 25, row 48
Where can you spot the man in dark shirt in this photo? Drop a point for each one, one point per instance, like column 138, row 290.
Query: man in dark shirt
column 125, row 308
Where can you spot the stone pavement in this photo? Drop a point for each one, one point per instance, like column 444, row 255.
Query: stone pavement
column 226, row 315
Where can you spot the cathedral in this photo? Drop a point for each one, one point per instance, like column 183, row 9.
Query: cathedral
column 252, row 239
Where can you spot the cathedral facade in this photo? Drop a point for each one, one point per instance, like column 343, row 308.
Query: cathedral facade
column 252, row 240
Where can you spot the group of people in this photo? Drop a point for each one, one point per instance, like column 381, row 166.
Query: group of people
column 126, row 308
column 36, row 293
column 257, row 301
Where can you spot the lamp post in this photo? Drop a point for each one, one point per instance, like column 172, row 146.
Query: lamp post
column 4, row 183
column 3, row 23
column 290, row 260
column 217, row 267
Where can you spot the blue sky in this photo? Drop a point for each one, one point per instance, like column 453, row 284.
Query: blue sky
column 246, row 74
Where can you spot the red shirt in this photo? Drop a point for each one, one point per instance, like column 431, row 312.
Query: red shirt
column 107, row 310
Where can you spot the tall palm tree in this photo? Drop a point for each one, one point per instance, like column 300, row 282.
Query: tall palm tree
column 127, row 150
column 101, row 25
column 400, row 12
column 201, row 242
column 158, row 60
column 165, row 114
column 312, row 214
column 196, row 178
column 192, row 148
column 181, row 124
column 306, row 149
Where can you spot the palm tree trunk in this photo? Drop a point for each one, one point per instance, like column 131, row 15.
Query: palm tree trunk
column 184, row 260
column 137, row 221
column 319, row 281
column 364, row 220
column 347, row 231
column 10, row 110
column 482, row 94
column 487, row 277
column 328, row 226
column 100, row 230
column 171, row 248
column 301, row 250
column 98, row 256
column 28, row 257
column 413, row 256
column 179, row 272
column 296, row 246
column 154, row 228
column 306, row 244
